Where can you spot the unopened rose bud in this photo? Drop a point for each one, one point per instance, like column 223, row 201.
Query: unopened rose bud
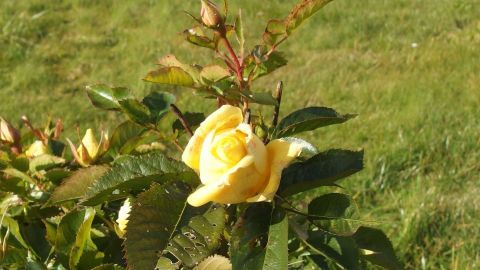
column 123, row 215
column 37, row 148
column 90, row 149
column 211, row 17
column 8, row 133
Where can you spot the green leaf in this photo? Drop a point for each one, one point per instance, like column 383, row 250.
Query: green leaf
column 329, row 206
column 135, row 110
column 76, row 185
column 135, row 173
column 67, row 230
column 171, row 61
column 197, row 37
column 153, row 220
column 193, row 119
column 261, row 63
column 34, row 233
column 15, row 258
column 302, row 11
column 195, row 241
column 337, row 220
column 12, row 225
column 20, row 163
column 308, row 119
column 246, row 250
column 171, row 76
column 339, row 249
column 214, row 73
column 123, row 135
column 34, row 265
column 105, row 97
column 324, row 169
column 377, row 248
column 55, row 176
column 83, row 235
column 20, row 175
column 158, row 103
column 264, row 98
column 276, row 255
column 274, row 30
column 240, row 32
column 45, row 162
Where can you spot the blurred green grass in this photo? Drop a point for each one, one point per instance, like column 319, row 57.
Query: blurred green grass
column 410, row 68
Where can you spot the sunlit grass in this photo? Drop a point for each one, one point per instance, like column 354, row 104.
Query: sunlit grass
column 409, row 68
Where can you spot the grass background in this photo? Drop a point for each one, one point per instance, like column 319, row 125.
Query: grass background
column 410, row 68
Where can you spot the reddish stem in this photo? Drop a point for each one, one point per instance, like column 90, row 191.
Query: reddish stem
column 238, row 66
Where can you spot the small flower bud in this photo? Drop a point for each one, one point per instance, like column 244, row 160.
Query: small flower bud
column 123, row 215
column 8, row 134
column 211, row 17
column 90, row 149
column 37, row 148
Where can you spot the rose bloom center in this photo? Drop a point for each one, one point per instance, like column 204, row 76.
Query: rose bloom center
column 229, row 149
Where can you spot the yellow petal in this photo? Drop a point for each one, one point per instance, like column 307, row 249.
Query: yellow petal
column 255, row 148
column 90, row 143
column 36, row 149
column 123, row 215
column 240, row 183
column 225, row 117
column 214, row 161
column 280, row 154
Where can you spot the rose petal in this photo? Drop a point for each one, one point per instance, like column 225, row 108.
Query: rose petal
column 255, row 148
column 225, row 117
column 211, row 167
column 240, row 183
column 280, row 154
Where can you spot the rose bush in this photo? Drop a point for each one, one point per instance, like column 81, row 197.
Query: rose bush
column 233, row 163
column 230, row 195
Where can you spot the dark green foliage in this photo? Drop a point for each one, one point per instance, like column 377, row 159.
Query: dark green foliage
column 136, row 173
column 153, row 221
column 308, row 119
column 323, row 169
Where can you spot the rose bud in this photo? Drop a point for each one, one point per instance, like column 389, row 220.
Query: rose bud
column 37, row 148
column 233, row 163
column 210, row 15
column 89, row 149
column 123, row 215
column 8, row 133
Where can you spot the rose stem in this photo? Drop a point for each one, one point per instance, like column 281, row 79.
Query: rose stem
column 278, row 97
column 247, row 117
column 238, row 68
column 182, row 119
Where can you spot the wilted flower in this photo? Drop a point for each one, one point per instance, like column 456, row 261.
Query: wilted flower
column 37, row 148
column 8, row 133
column 211, row 17
column 89, row 149
column 123, row 215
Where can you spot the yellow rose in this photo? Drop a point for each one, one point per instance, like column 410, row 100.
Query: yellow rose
column 233, row 163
